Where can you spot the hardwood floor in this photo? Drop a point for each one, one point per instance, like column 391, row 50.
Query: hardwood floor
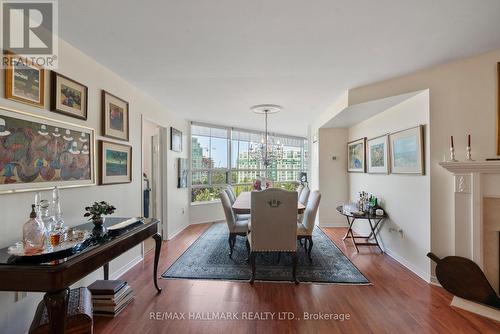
column 397, row 302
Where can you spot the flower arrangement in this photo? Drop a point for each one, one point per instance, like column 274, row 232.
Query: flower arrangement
column 97, row 210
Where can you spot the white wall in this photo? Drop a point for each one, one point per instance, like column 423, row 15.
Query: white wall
column 15, row 317
column 206, row 212
column 333, row 178
column 406, row 198
column 463, row 99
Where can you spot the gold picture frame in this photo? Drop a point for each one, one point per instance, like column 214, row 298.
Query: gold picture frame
column 21, row 74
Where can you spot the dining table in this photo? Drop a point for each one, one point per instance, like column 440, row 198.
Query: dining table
column 243, row 204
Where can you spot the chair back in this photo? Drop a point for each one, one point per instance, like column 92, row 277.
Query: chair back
column 231, row 196
column 304, row 195
column 299, row 189
column 228, row 210
column 274, row 220
column 311, row 211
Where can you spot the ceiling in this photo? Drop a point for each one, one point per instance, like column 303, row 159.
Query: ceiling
column 211, row 60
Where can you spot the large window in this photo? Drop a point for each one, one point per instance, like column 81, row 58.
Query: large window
column 221, row 156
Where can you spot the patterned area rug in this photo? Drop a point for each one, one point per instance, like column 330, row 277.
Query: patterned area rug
column 208, row 258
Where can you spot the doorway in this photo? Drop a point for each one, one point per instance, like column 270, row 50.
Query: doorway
column 153, row 182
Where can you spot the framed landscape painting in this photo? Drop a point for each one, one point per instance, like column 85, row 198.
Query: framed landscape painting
column 115, row 163
column 356, row 156
column 182, row 173
column 67, row 96
column 378, row 155
column 407, row 151
column 115, row 117
column 39, row 153
column 25, row 82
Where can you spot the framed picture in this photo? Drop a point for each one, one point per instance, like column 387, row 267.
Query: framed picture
column 25, row 82
column 175, row 140
column 182, row 173
column 115, row 163
column 67, row 96
column 38, row 153
column 378, row 155
column 115, row 119
column 407, row 151
column 356, row 152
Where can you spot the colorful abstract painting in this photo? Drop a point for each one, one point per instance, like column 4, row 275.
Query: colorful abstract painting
column 378, row 155
column 39, row 151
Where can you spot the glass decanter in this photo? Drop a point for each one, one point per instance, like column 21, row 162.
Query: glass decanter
column 45, row 217
column 33, row 234
column 56, row 209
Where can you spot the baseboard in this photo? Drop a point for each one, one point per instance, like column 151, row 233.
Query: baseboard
column 434, row 281
column 423, row 275
column 117, row 274
column 476, row 308
column 170, row 237
column 197, row 223
column 332, row 225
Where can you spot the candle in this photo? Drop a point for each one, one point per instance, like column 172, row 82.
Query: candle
column 468, row 140
column 452, row 146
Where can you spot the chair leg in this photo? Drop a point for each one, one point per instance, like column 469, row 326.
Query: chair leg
column 294, row 270
column 311, row 243
column 231, row 241
column 252, row 260
column 248, row 250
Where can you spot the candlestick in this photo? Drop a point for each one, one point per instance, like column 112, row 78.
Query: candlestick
column 452, row 154
column 468, row 155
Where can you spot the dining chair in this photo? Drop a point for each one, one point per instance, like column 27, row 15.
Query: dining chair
column 305, row 228
column 304, row 195
column 232, row 198
column 299, row 189
column 237, row 227
column 274, row 225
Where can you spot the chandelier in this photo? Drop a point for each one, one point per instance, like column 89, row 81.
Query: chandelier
column 269, row 149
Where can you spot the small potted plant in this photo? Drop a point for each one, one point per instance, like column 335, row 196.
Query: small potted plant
column 96, row 212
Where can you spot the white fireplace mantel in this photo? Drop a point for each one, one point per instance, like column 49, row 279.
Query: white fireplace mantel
column 468, row 205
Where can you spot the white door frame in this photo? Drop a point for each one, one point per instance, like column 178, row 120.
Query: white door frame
column 163, row 175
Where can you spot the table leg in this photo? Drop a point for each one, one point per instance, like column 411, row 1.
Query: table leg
column 106, row 271
column 372, row 227
column 349, row 224
column 57, row 304
column 157, row 238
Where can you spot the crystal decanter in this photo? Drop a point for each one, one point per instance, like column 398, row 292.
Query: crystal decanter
column 33, row 234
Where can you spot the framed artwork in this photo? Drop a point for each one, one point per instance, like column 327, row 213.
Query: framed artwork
column 378, row 155
column 115, row 117
column 115, row 163
column 25, row 82
column 67, row 96
column 182, row 173
column 356, row 153
column 175, row 140
column 407, row 151
column 38, row 153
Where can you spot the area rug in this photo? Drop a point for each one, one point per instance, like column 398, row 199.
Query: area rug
column 208, row 258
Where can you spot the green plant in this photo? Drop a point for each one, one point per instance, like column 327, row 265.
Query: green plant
column 98, row 209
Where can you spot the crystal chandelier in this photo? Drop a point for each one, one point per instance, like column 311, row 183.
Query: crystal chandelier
column 269, row 149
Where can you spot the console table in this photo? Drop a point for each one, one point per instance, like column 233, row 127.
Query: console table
column 374, row 222
column 55, row 277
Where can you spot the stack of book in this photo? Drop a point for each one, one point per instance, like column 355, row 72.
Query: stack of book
column 110, row 297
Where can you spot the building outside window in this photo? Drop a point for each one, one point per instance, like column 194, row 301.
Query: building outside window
column 222, row 156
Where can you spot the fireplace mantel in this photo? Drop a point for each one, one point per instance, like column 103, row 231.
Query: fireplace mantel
column 468, row 205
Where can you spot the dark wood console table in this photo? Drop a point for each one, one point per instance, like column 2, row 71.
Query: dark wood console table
column 55, row 277
column 374, row 222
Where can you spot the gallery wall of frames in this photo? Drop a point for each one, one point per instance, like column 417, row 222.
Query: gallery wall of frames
column 38, row 152
column 400, row 152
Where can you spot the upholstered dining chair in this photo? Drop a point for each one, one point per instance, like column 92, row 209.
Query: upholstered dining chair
column 304, row 195
column 232, row 198
column 237, row 227
column 274, row 227
column 306, row 226
column 299, row 189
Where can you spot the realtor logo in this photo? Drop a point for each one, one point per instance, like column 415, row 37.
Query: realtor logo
column 29, row 30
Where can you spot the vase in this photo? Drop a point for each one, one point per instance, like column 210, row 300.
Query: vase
column 98, row 222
